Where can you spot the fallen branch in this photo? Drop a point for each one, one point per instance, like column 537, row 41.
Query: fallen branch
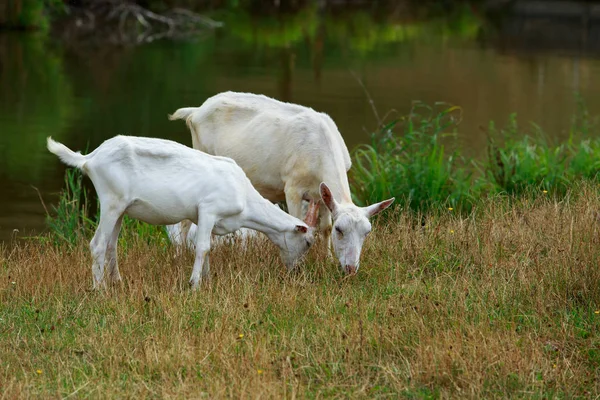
column 129, row 23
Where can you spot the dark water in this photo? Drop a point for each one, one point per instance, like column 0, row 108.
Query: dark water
column 82, row 95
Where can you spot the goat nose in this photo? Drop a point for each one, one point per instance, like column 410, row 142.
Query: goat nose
column 350, row 269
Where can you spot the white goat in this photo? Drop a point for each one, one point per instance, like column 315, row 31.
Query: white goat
column 183, row 235
column 163, row 182
column 289, row 152
column 180, row 238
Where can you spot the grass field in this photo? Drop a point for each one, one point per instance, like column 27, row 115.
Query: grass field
column 502, row 303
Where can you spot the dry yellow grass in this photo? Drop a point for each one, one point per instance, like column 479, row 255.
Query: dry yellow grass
column 502, row 304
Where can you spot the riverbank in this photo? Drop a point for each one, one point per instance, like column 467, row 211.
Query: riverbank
column 505, row 302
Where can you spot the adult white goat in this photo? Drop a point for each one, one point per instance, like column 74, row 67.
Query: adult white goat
column 163, row 182
column 289, row 152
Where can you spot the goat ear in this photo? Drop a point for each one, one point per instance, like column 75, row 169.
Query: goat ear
column 301, row 228
column 312, row 214
column 376, row 208
column 327, row 197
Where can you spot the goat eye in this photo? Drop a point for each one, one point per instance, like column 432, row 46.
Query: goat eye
column 338, row 230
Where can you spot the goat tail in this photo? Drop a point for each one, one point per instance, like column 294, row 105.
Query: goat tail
column 182, row 113
column 66, row 155
column 186, row 113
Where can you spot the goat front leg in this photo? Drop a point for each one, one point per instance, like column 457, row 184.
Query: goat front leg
column 325, row 227
column 206, row 268
column 293, row 200
column 201, row 265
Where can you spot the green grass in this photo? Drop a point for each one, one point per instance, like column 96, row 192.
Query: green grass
column 409, row 159
column 528, row 160
column 414, row 165
column 69, row 220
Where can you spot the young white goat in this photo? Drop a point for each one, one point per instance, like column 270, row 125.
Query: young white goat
column 181, row 239
column 289, row 152
column 183, row 235
column 162, row 182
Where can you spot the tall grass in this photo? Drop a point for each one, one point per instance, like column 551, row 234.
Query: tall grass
column 527, row 159
column 414, row 166
column 408, row 159
column 69, row 221
column 523, row 162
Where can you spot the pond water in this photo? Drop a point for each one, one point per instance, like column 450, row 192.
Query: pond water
column 82, row 95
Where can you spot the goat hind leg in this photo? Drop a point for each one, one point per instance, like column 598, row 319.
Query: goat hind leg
column 205, row 227
column 111, row 252
column 99, row 244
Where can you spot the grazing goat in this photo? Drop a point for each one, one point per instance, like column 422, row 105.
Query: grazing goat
column 162, row 182
column 183, row 234
column 181, row 239
column 289, row 152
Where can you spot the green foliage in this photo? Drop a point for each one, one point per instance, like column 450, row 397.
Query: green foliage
column 361, row 31
column 523, row 161
column 415, row 166
column 28, row 14
column 70, row 221
column 271, row 31
column 134, row 232
column 407, row 159
column 585, row 159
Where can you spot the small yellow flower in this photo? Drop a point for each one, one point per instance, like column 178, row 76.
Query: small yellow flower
column 451, row 231
column 39, row 371
column 544, row 191
column 597, row 312
column 259, row 371
column 554, row 366
column 241, row 335
column 450, row 208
